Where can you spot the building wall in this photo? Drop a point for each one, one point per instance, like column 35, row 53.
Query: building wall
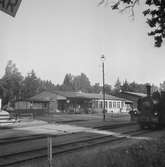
column 114, row 106
column 22, row 105
column 26, row 106
column 53, row 106
column 37, row 106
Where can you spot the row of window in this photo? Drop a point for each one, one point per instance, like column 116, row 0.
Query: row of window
column 109, row 104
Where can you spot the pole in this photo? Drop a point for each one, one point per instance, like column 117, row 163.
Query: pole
column 103, row 90
column 0, row 104
column 50, row 151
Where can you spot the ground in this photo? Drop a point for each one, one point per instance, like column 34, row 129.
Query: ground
column 125, row 153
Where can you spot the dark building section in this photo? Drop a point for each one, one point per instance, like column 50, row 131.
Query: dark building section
column 132, row 96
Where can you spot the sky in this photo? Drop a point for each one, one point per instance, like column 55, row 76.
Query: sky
column 58, row 37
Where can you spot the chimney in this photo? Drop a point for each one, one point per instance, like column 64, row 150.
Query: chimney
column 148, row 90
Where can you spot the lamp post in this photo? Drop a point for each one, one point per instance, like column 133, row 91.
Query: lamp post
column 103, row 59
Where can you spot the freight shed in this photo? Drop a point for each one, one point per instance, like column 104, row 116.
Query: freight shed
column 44, row 102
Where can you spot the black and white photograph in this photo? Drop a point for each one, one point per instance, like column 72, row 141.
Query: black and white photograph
column 82, row 83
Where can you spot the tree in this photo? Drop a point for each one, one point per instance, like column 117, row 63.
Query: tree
column 125, row 86
column 96, row 88
column 3, row 90
column 154, row 88
column 11, row 83
column 81, row 83
column 117, row 86
column 31, row 85
column 136, row 87
column 67, row 83
column 108, row 89
column 155, row 15
column 45, row 85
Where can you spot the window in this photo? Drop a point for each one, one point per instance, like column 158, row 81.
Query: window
column 122, row 104
column 96, row 104
column 101, row 104
column 110, row 104
column 45, row 105
column 114, row 104
column 118, row 104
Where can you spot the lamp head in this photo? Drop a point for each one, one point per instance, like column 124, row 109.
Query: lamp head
column 103, row 58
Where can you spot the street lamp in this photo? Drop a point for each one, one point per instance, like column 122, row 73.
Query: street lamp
column 103, row 59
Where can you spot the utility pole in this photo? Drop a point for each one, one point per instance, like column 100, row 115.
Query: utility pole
column 50, row 151
column 103, row 59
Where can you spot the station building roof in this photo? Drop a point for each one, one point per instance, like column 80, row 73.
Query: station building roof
column 63, row 95
column 46, row 96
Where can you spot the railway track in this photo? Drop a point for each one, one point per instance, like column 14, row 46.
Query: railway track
column 90, row 141
column 9, row 140
column 115, row 126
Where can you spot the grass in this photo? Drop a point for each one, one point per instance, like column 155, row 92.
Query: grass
column 150, row 153
column 88, row 120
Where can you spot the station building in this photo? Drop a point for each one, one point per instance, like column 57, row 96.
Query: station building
column 72, row 102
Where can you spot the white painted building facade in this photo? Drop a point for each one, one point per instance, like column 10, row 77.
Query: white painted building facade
column 111, row 105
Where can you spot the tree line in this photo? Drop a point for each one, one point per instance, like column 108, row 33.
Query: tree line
column 14, row 86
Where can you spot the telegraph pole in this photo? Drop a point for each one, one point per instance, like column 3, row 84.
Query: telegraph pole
column 50, row 151
column 103, row 59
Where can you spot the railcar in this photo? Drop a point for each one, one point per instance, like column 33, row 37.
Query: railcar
column 151, row 110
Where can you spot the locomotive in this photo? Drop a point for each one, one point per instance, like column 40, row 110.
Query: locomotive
column 151, row 109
